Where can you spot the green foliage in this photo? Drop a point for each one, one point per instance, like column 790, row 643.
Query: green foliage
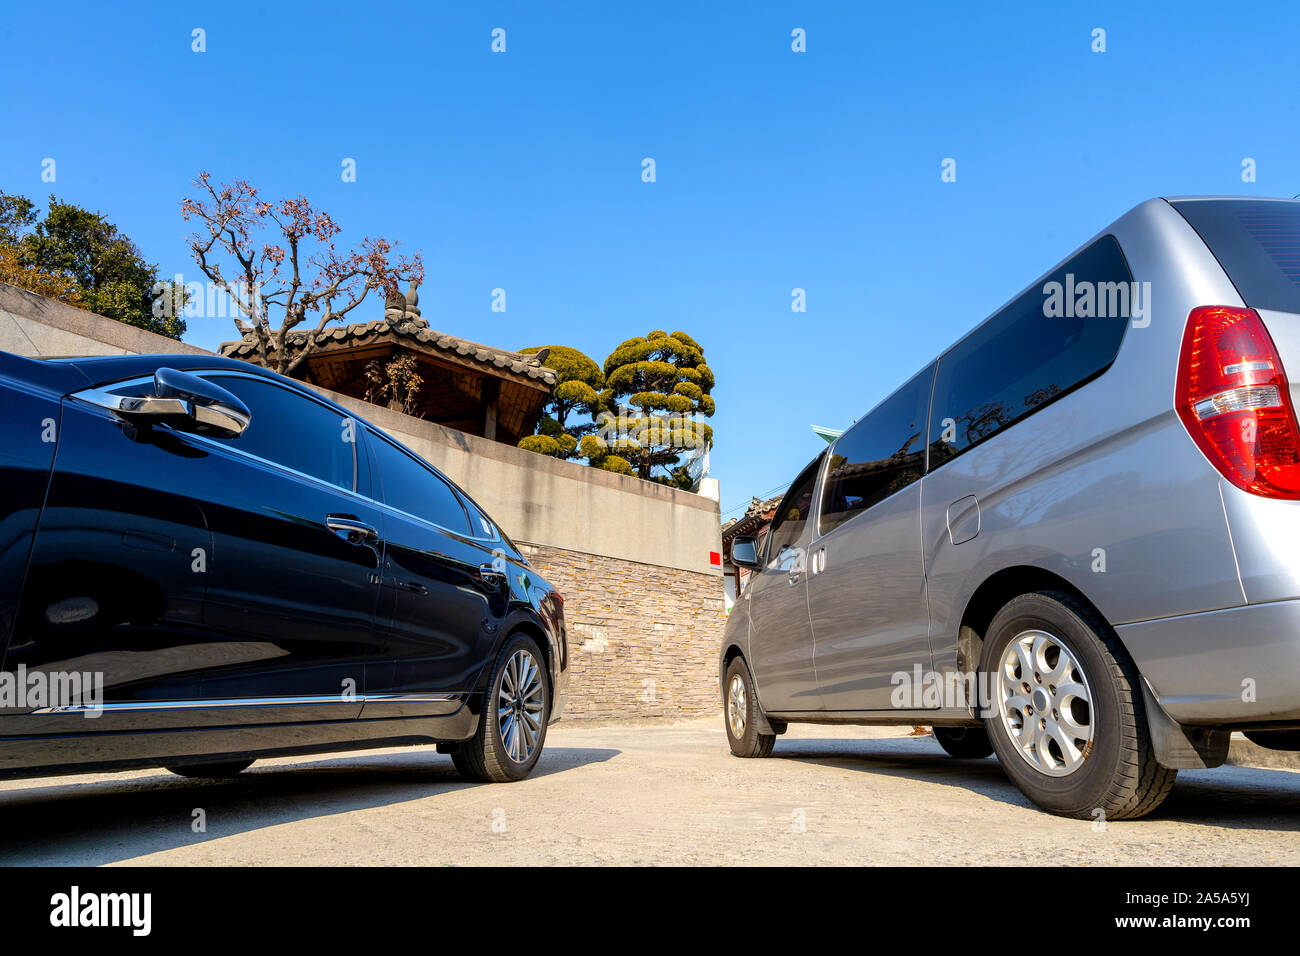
column 645, row 400
column 542, row 444
column 17, row 216
column 82, row 251
column 576, row 393
column 620, row 466
column 665, row 382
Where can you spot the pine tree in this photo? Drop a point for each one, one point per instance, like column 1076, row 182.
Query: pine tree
column 577, row 392
column 655, row 387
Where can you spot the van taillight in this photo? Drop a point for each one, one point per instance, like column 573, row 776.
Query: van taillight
column 1233, row 398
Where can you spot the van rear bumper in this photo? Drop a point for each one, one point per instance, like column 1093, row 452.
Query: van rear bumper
column 1238, row 666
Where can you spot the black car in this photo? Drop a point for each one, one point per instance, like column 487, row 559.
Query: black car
column 203, row 562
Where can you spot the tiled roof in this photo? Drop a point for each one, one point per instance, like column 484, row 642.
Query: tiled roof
column 417, row 331
column 756, row 515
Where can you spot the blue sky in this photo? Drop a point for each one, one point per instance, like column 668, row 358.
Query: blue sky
column 775, row 169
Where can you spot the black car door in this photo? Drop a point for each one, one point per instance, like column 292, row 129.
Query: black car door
column 113, row 597
column 293, row 579
column 445, row 596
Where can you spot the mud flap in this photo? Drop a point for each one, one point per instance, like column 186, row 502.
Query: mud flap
column 1182, row 748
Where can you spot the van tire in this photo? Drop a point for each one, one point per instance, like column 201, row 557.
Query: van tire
column 964, row 743
column 1119, row 777
column 749, row 742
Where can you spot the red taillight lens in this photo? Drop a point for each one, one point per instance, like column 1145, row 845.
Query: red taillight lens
column 1233, row 398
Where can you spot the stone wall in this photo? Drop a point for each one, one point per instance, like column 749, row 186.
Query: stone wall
column 643, row 639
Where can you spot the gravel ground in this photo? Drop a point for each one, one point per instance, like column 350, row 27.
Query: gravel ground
column 647, row 794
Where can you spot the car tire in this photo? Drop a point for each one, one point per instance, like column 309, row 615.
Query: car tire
column 964, row 743
column 1067, row 718
column 740, row 713
column 231, row 768
column 516, row 707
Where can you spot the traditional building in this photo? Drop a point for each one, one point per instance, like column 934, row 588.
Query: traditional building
column 485, row 391
column 755, row 521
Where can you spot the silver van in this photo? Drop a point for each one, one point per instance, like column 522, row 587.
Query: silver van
column 1073, row 539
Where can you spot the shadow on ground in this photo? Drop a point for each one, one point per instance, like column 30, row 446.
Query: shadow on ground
column 113, row 818
column 1228, row 796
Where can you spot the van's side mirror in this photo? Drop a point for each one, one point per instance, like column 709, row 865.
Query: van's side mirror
column 744, row 551
column 185, row 402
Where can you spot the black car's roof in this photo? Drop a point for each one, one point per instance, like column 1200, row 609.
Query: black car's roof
column 106, row 369
column 113, row 368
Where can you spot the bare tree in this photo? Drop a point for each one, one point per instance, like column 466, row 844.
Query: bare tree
column 284, row 267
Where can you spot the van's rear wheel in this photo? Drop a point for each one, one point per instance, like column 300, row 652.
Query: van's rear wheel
column 1067, row 719
column 740, row 713
column 964, row 743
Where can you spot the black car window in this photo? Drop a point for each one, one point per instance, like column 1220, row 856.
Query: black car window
column 1258, row 244
column 880, row 455
column 292, row 430
column 481, row 525
column 1060, row 334
column 792, row 514
column 408, row 485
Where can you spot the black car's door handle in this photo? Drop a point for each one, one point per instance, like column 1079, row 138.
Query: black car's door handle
column 491, row 575
column 351, row 530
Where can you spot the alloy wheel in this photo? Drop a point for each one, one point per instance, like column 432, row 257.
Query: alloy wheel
column 1045, row 703
column 737, row 704
column 520, row 706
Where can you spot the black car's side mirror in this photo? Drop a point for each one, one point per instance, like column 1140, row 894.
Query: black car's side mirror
column 184, row 401
column 744, row 551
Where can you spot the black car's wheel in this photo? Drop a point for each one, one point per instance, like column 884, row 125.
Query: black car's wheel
column 230, row 769
column 964, row 743
column 515, row 711
column 740, row 713
column 1067, row 718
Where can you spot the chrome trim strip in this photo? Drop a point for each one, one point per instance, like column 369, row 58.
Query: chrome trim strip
column 248, row 702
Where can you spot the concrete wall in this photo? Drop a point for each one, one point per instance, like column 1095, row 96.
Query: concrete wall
column 563, row 504
column 643, row 600
column 38, row 327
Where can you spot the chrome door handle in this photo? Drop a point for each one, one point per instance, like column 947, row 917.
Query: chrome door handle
column 351, row 530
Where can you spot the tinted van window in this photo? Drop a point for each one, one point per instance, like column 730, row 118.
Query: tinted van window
column 792, row 514
column 1057, row 336
column 881, row 454
column 1258, row 244
column 411, row 487
column 292, row 430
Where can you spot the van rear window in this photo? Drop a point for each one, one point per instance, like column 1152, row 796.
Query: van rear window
column 1061, row 333
column 1257, row 241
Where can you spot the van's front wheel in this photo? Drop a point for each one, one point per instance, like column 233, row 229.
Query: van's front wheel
column 1067, row 719
column 740, row 713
